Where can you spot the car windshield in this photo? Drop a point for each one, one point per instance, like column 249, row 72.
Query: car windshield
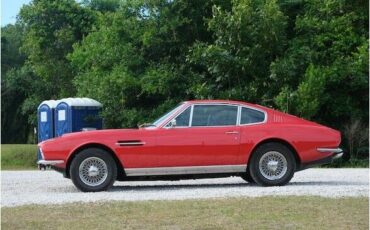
column 166, row 116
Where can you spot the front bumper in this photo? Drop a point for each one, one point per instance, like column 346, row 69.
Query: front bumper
column 43, row 164
column 337, row 152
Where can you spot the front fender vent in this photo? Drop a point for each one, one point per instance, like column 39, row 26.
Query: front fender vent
column 130, row 143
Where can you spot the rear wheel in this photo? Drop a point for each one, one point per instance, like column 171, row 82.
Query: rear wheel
column 93, row 170
column 272, row 164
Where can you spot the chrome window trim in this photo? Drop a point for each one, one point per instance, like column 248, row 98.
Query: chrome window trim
column 191, row 115
column 176, row 115
column 236, row 123
column 179, row 108
column 238, row 120
column 239, row 115
column 252, row 108
column 186, row 170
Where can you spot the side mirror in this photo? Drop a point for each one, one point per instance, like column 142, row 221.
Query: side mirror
column 172, row 123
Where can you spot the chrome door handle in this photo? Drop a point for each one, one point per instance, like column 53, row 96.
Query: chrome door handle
column 232, row 132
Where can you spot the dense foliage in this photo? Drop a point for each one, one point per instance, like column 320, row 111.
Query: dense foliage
column 139, row 58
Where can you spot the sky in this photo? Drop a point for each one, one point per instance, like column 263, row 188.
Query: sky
column 10, row 9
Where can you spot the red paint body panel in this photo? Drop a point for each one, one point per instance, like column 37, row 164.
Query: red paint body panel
column 197, row 146
column 200, row 146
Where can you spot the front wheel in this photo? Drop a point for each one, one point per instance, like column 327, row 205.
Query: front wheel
column 272, row 164
column 93, row 170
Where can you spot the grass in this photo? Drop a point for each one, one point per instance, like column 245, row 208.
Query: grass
column 17, row 156
column 232, row 213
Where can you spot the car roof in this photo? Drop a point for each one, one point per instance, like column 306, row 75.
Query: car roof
column 224, row 102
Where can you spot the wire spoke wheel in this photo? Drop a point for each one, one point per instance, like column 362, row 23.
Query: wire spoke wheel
column 273, row 165
column 93, row 171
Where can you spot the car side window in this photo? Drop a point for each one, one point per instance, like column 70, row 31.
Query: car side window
column 183, row 119
column 249, row 116
column 214, row 115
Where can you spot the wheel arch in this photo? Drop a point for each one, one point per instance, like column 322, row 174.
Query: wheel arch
column 120, row 168
column 281, row 141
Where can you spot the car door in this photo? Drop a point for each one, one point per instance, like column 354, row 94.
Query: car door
column 177, row 144
column 216, row 125
column 204, row 135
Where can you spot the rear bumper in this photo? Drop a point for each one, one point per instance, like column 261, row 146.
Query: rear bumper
column 337, row 152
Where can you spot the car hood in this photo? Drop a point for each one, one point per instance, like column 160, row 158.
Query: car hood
column 101, row 132
column 97, row 134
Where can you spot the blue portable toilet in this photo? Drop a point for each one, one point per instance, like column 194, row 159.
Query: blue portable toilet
column 45, row 120
column 77, row 114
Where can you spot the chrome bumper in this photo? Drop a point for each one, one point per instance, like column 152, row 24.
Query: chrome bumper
column 337, row 152
column 43, row 164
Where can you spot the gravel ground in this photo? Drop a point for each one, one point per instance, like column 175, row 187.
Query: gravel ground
column 49, row 187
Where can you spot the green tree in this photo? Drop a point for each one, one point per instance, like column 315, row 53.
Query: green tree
column 102, row 5
column 141, row 57
column 135, row 61
column 236, row 64
column 324, row 73
column 34, row 64
column 11, row 41
column 49, row 29
column 14, row 126
column 52, row 27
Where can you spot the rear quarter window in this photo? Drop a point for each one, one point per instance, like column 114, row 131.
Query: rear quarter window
column 250, row 116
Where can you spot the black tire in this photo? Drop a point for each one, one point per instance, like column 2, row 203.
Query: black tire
column 280, row 152
column 105, row 167
column 247, row 177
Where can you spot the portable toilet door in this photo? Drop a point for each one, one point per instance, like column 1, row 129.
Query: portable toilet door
column 71, row 115
column 45, row 120
column 86, row 115
column 62, row 118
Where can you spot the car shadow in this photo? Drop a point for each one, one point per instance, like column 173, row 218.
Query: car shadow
column 117, row 188
column 326, row 183
column 177, row 186
column 173, row 187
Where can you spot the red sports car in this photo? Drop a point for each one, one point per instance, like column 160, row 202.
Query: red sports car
column 197, row 139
